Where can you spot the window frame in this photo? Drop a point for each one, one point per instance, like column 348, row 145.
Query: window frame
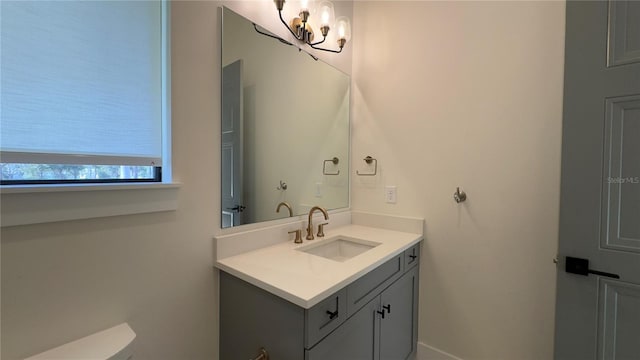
column 161, row 174
column 25, row 204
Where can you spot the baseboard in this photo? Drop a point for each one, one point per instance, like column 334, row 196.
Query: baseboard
column 426, row 352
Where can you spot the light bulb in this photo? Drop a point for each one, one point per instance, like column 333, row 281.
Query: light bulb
column 326, row 13
column 325, row 17
column 344, row 28
column 344, row 31
column 304, row 5
column 307, row 8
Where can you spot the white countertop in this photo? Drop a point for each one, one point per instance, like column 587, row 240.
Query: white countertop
column 305, row 279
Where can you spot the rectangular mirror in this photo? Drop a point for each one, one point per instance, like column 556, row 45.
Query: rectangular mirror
column 285, row 127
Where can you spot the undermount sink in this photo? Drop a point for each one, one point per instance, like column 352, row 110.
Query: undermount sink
column 339, row 249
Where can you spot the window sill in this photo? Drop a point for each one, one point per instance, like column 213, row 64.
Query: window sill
column 34, row 204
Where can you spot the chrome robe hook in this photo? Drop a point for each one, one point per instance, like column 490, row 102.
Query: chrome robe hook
column 459, row 196
column 283, row 186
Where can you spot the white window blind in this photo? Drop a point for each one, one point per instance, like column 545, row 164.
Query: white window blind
column 81, row 82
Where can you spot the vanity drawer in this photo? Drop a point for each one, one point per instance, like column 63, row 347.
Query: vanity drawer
column 324, row 317
column 412, row 256
column 370, row 285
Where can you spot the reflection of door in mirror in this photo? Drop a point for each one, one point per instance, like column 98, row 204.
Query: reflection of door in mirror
column 232, row 205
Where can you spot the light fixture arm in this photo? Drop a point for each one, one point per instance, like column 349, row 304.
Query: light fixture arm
column 287, row 26
column 317, row 43
column 323, row 49
column 303, row 35
column 281, row 40
column 271, row 36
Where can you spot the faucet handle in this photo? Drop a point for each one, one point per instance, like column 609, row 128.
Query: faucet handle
column 321, row 229
column 298, row 239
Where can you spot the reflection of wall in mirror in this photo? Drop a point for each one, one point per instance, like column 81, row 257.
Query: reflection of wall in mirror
column 296, row 114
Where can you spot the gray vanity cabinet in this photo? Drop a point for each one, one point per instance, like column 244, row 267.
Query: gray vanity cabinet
column 367, row 335
column 373, row 318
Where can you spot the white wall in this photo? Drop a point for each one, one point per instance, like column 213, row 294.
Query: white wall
column 468, row 94
column 65, row 280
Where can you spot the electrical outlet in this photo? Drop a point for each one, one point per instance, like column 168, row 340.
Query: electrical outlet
column 391, row 194
column 318, row 189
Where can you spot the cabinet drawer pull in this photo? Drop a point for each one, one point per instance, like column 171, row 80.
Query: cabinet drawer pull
column 388, row 308
column 332, row 315
column 381, row 313
column 413, row 257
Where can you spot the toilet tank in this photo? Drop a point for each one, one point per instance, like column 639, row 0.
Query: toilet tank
column 112, row 344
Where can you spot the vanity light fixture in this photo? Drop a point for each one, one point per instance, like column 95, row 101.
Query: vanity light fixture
column 300, row 27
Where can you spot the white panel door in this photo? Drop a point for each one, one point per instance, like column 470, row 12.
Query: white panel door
column 598, row 306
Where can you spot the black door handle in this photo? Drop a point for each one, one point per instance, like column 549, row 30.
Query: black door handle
column 381, row 313
column 581, row 267
column 332, row 314
column 387, row 307
column 237, row 208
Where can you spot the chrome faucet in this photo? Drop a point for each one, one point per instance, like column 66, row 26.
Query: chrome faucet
column 285, row 204
column 310, row 225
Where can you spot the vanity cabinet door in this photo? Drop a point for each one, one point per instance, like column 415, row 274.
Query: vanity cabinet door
column 398, row 329
column 356, row 339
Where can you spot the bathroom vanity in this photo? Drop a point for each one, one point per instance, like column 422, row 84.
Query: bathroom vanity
column 352, row 295
column 349, row 295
